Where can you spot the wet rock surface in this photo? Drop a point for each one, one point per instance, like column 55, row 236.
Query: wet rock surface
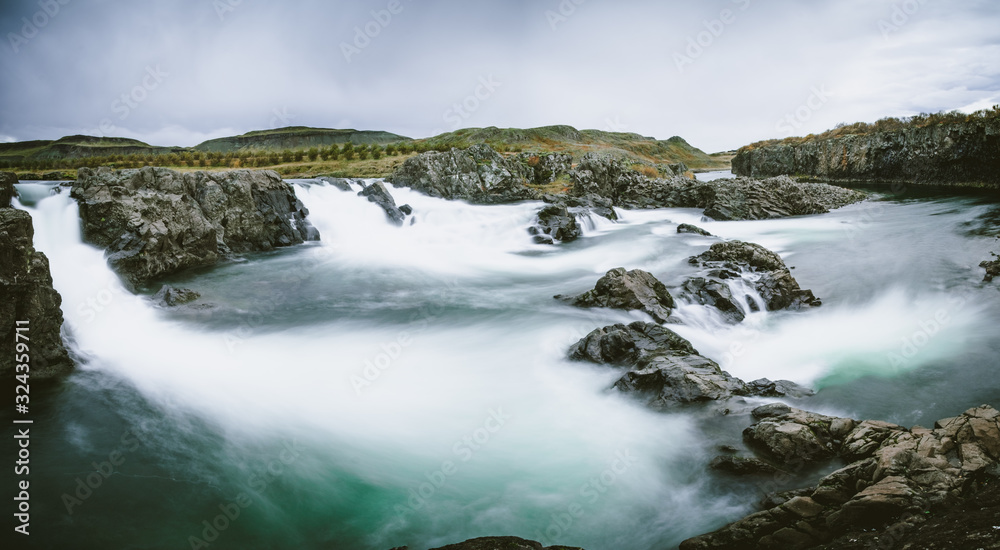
column 156, row 221
column 629, row 290
column 895, row 480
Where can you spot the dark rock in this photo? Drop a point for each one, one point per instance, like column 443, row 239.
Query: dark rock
column 29, row 176
column 961, row 154
column 585, row 204
column 780, row 388
column 343, row 184
column 26, row 294
column 544, row 167
column 156, row 221
column 675, row 379
column 406, row 209
column 688, row 228
column 169, row 296
column 773, row 281
column 636, row 289
column 628, row 344
column 502, row 543
column 53, row 176
column 742, row 466
column 553, row 224
column 477, row 174
column 714, row 293
column 992, row 269
column 897, row 476
column 378, row 194
column 779, row 197
column 7, row 190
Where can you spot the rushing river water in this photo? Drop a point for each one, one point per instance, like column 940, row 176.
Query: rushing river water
column 407, row 386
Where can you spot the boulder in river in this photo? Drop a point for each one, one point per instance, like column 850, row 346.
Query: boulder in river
column 7, row 190
column 343, row 184
column 559, row 221
column 378, row 194
column 992, row 269
column 477, row 174
column 635, row 289
column 693, row 229
column 896, row 478
column 713, row 292
column 768, row 273
column 169, row 296
column 28, row 301
column 155, row 221
column 502, row 543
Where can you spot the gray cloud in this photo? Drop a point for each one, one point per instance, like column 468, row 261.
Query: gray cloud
column 194, row 69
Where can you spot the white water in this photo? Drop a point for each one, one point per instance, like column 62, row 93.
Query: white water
column 492, row 339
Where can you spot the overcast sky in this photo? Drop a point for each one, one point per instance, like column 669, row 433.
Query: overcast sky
column 719, row 73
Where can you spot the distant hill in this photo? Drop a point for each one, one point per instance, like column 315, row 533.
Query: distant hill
column 578, row 142
column 79, row 147
column 297, row 137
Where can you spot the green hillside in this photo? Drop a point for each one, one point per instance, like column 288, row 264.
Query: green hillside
column 78, row 147
column 296, row 137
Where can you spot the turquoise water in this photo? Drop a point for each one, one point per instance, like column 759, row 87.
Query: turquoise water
column 406, row 386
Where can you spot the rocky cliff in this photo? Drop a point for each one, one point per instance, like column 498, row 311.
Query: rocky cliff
column 956, row 154
column 156, row 221
column 26, row 294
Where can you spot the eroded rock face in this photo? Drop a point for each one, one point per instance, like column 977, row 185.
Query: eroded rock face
column 26, row 294
column 958, row 154
column 7, row 190
column 156, row 221
column 714, row 292
column 778, row 197
column 894, row 474
column 169, row 296
column 770, row 277
column 621, row 289
column 477, row 174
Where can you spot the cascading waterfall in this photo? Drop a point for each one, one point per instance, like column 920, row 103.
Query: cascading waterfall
column 420, row 373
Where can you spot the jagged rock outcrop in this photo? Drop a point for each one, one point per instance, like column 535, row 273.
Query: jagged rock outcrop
column 621, row 289
column 992, row 269
column 544, row 167
column 477, row 174
column 156, row 221
column 713, row 292
column 611, row 178
column 778, row 197
column 960, row 154
column 560, row 220
column 768, row 274
column 26, row 294
column 344, row 184
column 894, row 476
column 664, row 369
column 378, row 194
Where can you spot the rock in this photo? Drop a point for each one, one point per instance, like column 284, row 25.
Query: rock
column 53, row 176
column 26, row 294
column 713, row 292
column 768, row 273
column 992, row 269
column 7, row 190
column 554, row 224
column 778, row 197
column 544, row 167
column 29, row 176
column 502, row 543
column 959, row 154
column 378, row 194
column 343, row 184
column 895, row 478
column 156, row 221
column 477, row 174
column 636, row 289
column 667, row 381
column 585, row 204
column 688, row 228
column 406, row 209
column 621, row 344
column 611, row 178
column 169, row 296
column 742, row 466
column 781, row 388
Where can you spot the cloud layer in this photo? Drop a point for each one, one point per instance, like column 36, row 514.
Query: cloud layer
column 719, row 73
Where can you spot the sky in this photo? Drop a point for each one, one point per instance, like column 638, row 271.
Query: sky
column 719, row 73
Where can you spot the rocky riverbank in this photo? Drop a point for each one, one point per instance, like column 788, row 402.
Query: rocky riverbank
column 958, row 154
column 156, row 221
column 26, row 294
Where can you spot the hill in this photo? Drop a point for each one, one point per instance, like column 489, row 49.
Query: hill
column 296, row 137
column 78, row 147
column 566, row 139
